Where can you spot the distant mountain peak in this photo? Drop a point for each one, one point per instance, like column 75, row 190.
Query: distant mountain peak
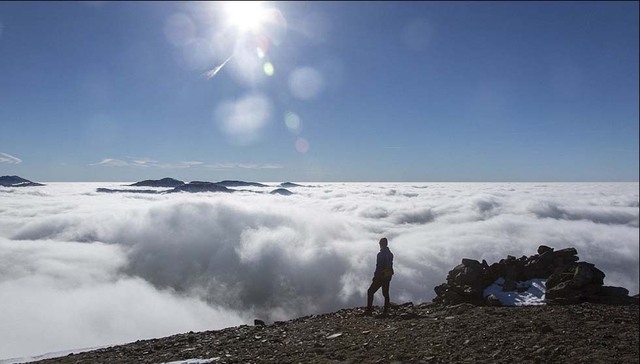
column 200, row 186
column 165, row 182
column 232, row 183
column 281, row 191
column 290, row 184
column 16, row 181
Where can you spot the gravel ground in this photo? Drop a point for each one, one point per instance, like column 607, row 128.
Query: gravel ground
column 424, row 333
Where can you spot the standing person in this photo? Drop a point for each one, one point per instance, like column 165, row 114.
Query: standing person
column 381, row 277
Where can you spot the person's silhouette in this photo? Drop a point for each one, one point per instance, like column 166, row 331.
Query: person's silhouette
column 381, row 276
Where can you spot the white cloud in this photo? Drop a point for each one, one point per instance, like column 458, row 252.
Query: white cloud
column 8, row 158
column 235, row 257
column 144, row 163
column 57, row 294
column 111, row 162
column 150, row 163
column 244, row 166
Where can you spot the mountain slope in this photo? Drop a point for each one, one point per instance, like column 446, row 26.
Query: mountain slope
column 15, row 181
column 425, row 333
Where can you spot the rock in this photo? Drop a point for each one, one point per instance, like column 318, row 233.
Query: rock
column 559, row 275
column 565, row 256
column 566, row 252
column 492, row 300
column 509, row 285
column 562, row 293
column 257, row 322
column 543, row 249
column 464, row 283
column 408, row 316
column 583, row 274
column 610, row 291
column 567, row 280
column 471, row 262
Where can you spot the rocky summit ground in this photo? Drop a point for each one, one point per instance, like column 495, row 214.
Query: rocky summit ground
column 424, row 333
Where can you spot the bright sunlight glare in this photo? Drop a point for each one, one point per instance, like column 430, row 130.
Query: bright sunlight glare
column 247, row 16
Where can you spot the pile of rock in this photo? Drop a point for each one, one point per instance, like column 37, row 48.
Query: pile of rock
column 567, row 280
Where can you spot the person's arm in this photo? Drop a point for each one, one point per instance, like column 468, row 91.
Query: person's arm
column 379, row 263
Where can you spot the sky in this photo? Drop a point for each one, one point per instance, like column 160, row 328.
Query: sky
column 320, row 91
column 79, row 268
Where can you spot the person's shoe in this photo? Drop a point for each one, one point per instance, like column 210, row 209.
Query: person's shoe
column 367, row 312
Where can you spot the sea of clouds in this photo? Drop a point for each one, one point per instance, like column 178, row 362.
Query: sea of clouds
column 82, row 269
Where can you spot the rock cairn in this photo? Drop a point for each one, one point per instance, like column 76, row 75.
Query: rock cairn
column 567, row 280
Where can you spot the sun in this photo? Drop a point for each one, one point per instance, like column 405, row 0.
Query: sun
column 246, row 16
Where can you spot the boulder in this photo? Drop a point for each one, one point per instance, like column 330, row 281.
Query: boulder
column 567, row 281
column 257, row 322
column 544, row 249
column 492, row 300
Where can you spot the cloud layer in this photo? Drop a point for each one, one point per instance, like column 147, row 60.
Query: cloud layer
column 150, row 163
column 101, row 269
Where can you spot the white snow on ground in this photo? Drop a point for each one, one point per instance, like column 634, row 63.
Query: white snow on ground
column 60, row 354
column 194, row 361
column 532, row 296
column 57, row 354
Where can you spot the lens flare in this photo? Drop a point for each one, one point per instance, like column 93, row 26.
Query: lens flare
column 252, row 26
column 292, row 121
column 268, row 69
column 179, row 29
column 246, row 16
column 306, row 83
column 243, row 120
column 302, row 145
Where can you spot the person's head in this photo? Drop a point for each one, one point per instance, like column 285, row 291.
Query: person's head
column 384, row 243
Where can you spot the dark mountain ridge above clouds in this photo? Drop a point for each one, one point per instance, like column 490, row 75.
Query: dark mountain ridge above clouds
column 200, row 186
column 281, row 191
column 231, row 183
column 15, row 181
column 289, row 185
column 109, row 190
column 165, row 182
column 175, row 185
column 172, row 182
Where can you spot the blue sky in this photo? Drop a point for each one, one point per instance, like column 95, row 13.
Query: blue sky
column 320, row 91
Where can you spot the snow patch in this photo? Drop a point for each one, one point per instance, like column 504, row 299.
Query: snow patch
column 194, row 361
column 52, row 355
column 527, row 293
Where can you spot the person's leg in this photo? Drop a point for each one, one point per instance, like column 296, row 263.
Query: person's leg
column 385, row 293
column 375, row 286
